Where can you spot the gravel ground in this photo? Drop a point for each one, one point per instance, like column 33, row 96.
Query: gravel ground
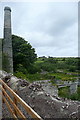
column 45, row 104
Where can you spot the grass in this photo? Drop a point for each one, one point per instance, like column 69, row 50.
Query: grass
column 63, row 76
column 38, row 76
column 39, row 61
column 32, row 77
column 65, row 93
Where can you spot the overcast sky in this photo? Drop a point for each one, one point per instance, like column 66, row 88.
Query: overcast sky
column 51, row 28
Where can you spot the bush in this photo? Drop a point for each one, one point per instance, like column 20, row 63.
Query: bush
column 72, row 68
column 48, row 67
column 21, row 69
column 34, row 69
column 64, row 92
column 20, row 75
column 34, row 77
column 74, row 96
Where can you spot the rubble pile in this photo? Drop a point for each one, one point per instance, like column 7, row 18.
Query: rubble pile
column 46, row 105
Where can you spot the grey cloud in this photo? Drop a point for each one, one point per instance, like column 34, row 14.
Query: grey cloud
column 51, row 28
column 53, row 20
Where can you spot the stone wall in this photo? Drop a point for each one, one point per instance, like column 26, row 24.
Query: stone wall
column 73, row 88
column 7, row 42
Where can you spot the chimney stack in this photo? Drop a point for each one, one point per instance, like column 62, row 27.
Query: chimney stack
column 7, row 42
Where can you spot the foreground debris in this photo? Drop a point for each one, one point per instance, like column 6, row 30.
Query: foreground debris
column 46, row 105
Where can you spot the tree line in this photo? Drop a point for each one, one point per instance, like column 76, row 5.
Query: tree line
column 25, row 59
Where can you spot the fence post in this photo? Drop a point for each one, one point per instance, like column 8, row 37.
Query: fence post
column 15, row 102
column 3, row 93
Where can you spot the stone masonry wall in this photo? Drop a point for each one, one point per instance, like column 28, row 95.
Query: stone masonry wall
column 7, row 42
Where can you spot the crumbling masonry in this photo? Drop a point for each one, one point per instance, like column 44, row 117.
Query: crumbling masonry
column 7, row 42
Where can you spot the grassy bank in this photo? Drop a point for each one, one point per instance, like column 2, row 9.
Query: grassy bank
column 65, row 93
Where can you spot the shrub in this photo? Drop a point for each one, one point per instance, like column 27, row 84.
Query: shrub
column 72, row 68
column 20, row 75
column 74, row 96
column 34, row 69
column 64, row 92
column 21, row 69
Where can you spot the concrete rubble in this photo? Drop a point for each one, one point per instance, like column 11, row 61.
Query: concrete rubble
column 45, row 104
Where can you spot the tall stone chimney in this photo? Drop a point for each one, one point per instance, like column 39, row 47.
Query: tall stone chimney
column 7, row 42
